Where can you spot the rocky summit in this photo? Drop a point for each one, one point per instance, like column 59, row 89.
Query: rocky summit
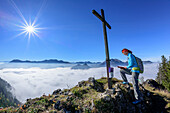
column 93, row 96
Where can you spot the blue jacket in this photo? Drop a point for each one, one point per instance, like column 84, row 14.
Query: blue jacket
column 132, row 64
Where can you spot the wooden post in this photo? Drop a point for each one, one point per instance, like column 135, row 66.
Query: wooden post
column 102, row 18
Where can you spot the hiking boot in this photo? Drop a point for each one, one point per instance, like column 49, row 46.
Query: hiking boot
column 136, row 101
column 125, row 82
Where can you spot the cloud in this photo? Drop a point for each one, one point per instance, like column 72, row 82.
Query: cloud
column 33, row 82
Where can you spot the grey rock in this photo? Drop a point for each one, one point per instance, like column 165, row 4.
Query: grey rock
column 152, row 83
column 91, row 79
column 56, row 91
column 110, row 91
column 80, row 84
column 70, row 93
column 92, row 104
column 107, row 98
column 66, row 93
column 56, row 96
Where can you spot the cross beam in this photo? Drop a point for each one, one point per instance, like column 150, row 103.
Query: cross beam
column 102, row 18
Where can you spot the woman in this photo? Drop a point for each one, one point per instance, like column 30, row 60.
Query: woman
column 131, row 69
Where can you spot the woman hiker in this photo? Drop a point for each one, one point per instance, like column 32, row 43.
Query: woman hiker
column 131, row 69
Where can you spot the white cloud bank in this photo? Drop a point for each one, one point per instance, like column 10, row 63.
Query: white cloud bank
column 33, row 82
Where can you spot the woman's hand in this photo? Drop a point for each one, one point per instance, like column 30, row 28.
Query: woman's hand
column 122, row 67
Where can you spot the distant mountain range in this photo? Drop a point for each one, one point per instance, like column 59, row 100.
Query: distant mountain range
column 113, row 62
column 43, row 61
column 80, row 65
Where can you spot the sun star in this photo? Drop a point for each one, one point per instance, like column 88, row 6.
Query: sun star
column 30, row 29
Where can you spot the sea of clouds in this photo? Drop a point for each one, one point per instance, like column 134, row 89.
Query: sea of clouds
column 35, row 81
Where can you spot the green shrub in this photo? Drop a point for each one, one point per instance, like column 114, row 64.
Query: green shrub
column 79, row 92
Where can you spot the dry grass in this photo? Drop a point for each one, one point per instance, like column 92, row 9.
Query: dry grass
column 163, row 93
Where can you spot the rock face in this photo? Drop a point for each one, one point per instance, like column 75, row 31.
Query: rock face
column 91, row 96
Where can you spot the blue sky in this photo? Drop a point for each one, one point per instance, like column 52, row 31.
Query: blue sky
column 72, row 33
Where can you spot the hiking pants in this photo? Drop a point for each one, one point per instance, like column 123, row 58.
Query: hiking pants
column 134, row 81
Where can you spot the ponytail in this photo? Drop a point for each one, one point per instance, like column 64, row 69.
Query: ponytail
column 130, row 51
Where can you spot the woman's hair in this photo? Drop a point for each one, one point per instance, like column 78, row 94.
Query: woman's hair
column 126, row 50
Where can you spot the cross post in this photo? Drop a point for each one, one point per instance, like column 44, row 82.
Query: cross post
column 102, row 18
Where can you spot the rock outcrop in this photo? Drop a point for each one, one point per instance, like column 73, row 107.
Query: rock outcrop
column 153, row 84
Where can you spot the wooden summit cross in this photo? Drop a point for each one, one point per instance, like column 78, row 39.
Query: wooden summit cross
column 102, row 18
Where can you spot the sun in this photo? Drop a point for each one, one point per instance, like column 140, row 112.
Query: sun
column 30, row 29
